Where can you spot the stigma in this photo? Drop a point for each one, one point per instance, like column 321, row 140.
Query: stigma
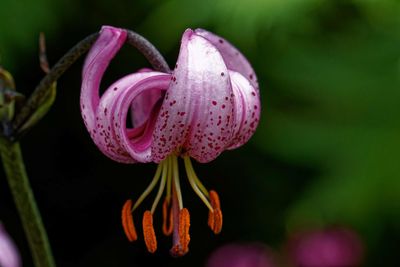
column 176, row 218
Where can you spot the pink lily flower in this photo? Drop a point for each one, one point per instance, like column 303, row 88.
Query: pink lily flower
column 336, row 247
column 242, row 255
column 209, row 103
column 9, row 256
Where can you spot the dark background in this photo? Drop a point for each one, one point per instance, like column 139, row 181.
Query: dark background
column 326, row 151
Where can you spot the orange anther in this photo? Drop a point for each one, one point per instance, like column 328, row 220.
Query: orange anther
column 211, row 219
column 215, row 216
column 214, row 198
column 167, row 227
column 184, row 225
column 127, row 221
column 148, row 232
column 217, row 227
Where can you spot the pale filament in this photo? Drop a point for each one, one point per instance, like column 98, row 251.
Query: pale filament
column 198, row 188
column 150, row 187
column 165, row 164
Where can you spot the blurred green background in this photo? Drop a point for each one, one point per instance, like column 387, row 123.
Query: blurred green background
column 326, row 151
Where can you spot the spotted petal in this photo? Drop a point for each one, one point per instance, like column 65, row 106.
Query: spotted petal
column 116, row 140
column 233, row 58
column 197, row 113
column 105, row 118
column 247, row 109
column 106, row 46
column 104, row 49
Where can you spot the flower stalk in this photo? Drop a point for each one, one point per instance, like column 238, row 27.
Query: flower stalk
column 26, row 205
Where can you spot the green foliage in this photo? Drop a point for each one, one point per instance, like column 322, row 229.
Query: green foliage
column 21, row 23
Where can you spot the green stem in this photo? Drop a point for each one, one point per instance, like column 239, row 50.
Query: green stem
column 23, row 196
column 43, row 88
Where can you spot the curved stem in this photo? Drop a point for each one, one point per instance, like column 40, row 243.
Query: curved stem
column 24, row 200
column 41, row 90
column 39, row 94
column 148, row 50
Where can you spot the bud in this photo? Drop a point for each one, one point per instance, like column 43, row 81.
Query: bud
column 8, row 96
column 6, row 102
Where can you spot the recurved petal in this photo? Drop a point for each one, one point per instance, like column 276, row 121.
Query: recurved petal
column 233, row 58
column 247, row 109
column 141, row 107
column 114, row 138
column 196, row 115
column 104, row 49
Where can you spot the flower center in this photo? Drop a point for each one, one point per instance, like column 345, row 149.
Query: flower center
column 176, row 218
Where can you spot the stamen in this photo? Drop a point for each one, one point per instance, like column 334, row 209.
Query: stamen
column 150, row 187
column 215, row 218
column 214, row 198
column 215, row 221
column 192, row 180
column 176, row 219
column 162, row 185
column 148, row 232
column 127, row 221
column 177, row 185
column 184, row 225
column 188, row 165
column 167, row 226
